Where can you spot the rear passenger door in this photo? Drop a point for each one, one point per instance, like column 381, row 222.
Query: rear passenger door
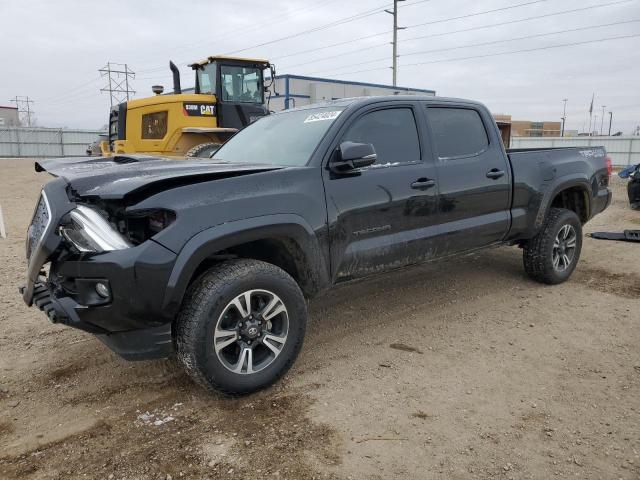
column 384, row 215
column 474, row 177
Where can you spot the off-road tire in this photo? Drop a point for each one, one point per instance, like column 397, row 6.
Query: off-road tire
column 205, row 301
column 204, row 150
column 538, row 252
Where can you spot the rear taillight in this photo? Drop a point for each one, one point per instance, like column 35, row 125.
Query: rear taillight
column 609, row 165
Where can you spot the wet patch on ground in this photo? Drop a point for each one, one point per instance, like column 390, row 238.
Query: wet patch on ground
column 268, row 434
column 622, row 284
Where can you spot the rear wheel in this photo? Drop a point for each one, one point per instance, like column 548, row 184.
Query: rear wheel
column 204, row 150
column 241, row 326
column 552, row 255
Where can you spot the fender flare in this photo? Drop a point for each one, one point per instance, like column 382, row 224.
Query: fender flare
column 562, row 183
column 212, row 240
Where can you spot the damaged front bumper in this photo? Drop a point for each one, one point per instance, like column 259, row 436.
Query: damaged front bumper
column 129, row 319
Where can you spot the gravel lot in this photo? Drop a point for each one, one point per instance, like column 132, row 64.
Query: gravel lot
column 455, row 370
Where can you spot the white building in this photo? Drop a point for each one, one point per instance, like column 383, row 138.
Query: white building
column 296, row 90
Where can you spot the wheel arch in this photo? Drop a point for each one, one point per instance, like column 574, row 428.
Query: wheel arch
column 573, row 193
column 285, row 240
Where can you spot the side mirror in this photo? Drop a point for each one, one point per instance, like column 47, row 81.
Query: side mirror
column 352, row 156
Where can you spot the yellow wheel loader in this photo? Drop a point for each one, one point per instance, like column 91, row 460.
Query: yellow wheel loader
column 229, row 94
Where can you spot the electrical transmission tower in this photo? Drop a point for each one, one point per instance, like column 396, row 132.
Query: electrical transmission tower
column 24, row 107
column 118, row 75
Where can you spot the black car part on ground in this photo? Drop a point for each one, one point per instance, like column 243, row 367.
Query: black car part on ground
column 626, row 236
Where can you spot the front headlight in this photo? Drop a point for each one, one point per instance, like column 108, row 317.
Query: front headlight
column 88, row 231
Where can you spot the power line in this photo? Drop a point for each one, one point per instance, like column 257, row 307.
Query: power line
column 335, row 23
column 23, row 103
column 450, row 32
column 71, row 93
column 497, row 54
column 492, row 42
column 336, row 45
column 231, row 33
column 510, row 22
column 477, row 13
column 118, row 86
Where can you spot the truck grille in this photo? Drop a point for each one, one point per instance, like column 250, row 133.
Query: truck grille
column 39, row 224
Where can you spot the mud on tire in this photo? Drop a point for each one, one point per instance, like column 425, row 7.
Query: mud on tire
column 266, row 309
column 551, row 256
column 204, row 150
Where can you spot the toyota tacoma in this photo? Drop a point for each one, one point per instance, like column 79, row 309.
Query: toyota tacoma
column 214, row 259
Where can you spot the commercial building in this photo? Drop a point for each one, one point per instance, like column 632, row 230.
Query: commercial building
column 290, row 91
column 9, row 117
column 526, row 128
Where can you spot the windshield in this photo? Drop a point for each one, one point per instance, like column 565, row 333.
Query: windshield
column 286, row 138
column 241, row 84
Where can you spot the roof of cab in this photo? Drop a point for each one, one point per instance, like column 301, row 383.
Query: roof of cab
column 359, row 101
column 228, row 58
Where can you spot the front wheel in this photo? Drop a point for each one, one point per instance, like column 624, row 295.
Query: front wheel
column 552, row 255
column 241, row 326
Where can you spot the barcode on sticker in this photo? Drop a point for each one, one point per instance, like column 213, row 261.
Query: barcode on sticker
column 319, row 117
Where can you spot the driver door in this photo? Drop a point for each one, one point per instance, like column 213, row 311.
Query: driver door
column 383, row 216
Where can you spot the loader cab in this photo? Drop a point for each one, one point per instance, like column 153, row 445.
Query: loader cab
column 239, row 87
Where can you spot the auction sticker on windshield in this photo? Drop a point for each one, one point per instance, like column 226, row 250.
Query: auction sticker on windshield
column 321, row 116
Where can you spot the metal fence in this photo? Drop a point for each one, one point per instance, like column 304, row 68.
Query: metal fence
column 622, row 150
column 44, row 142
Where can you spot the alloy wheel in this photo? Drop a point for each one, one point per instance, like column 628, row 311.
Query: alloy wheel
column 564, row 248
column 251, row 331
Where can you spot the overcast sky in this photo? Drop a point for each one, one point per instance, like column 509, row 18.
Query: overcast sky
column 52, row 50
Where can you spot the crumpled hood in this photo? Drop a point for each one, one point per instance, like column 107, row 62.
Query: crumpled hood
column 121, row 175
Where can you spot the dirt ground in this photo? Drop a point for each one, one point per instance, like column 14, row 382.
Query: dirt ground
column 455, row 370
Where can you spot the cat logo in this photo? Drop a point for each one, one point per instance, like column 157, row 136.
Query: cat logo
column 207, row 110
column 199, row 109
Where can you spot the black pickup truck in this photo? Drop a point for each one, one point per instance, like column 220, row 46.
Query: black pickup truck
column 214, row 258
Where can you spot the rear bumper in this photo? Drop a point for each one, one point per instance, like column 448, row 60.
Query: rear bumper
column 601, row 201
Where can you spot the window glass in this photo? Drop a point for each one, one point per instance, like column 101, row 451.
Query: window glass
column 154, row 125
column 392, row 132
column 458, row 131
column 207, row 78
column 241, row 84
column 285, row 138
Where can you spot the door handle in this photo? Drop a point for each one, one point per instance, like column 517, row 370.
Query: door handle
column 494, row 173
column 423, row 183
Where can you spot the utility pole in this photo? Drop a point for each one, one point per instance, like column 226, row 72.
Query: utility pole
column 610, row 120
column 24, row 107
column 564, row 115
column 591, row 115
column 118, row 75
column 395, row 39
column 602, row 118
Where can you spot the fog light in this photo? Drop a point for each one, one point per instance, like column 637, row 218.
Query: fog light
column 103, row 290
